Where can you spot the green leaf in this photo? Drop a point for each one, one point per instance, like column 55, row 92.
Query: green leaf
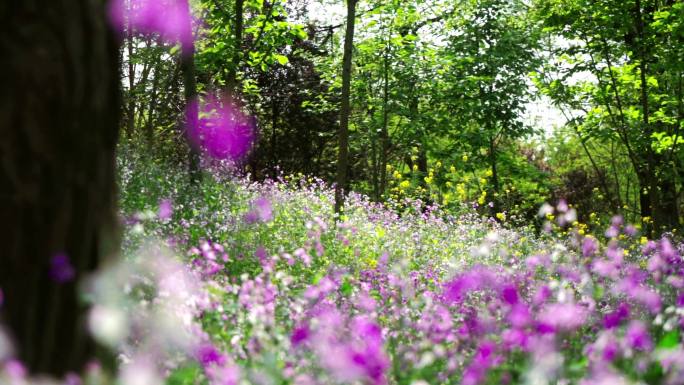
column 282, row 59
column 669, row 340
column 184, row 375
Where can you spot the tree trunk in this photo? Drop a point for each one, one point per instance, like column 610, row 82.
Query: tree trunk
column 274, row 137
column 150, row 123
column 231, row 81
column 384, row 135
column 191, row 104
column 130, row 121
column 59, row 124
column 345, row 109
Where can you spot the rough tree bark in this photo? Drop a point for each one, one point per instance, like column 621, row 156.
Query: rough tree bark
column 59, row 121
column 343, row 131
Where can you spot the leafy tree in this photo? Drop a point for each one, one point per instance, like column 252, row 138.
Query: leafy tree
column 491, row 54
column 633, row 56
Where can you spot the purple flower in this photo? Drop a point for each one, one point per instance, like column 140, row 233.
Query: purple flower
column 299, row 335
column 261, row 211
column 589, row 246
column 637, row 336
column 207, row 355
column 484, row 359
column 612, row 232
column 616, row 221
column 72, row 379
column 477, row 278
column 563, row 316
column 61, row 270
column 631, row 231
column 613, row 319
column 514, row 338
column 680, row 300
column 165, row 209
column 562, row 206
column 223, row 133
column 543, row 293
column 15, row 370
column 170, row 18
column 610, row 349
column 519, row 315
column 509, row 294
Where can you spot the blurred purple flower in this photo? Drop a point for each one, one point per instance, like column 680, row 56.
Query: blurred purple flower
column 169, row 18
column 563, row 316
column 614, row 319
column 61, row 270
column 223, row 132
column 509, row 293
column 165, row 209
column 483, row 359
column 299, row 335
column 261, row 211
column 519, row 316
column 543, row 293
column 514, row 338
column 631, row 230
column 477, row 278
column 612, row 232
column 616, row 221
column 15, row 370
column 207, row 355
column 637, row 336
column 589, row 246
column 562, row 206
column 72, row 379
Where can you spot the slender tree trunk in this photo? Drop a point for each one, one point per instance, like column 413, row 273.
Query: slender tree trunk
column 374, row 159
column 59, row 124
column 231, row 81
column 187, row 63
column 345, row 109
column 150, row 123
column 274, row 136
column 384, row 135
column 492, row 163
column 130, row 121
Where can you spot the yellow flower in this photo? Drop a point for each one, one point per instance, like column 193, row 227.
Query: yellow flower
column 404, row 184
column 489, row 173
column 501, row 216
column 438, row 164
column 452, row 169
column 388, row 167
column 428, row 179
column 481, row 199
column 415, row 167
column 397, row 175
column 483, row 181
column 465, row 158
